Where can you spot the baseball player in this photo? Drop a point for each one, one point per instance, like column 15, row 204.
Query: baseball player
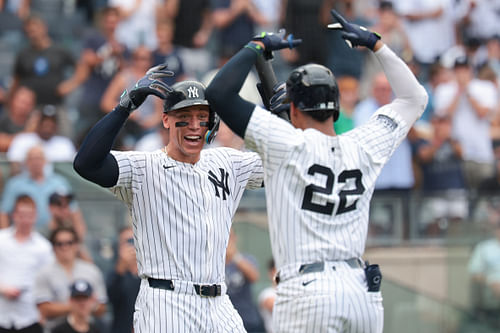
column 318, row 184
column 182, row 200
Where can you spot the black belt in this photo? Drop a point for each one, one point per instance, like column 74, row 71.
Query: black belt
column 320, row 267
column 202, row 290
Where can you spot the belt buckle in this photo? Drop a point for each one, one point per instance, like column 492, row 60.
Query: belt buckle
column 202, row 289
column 206, row 290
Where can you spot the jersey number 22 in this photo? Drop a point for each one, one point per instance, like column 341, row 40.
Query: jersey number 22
column 358, row 189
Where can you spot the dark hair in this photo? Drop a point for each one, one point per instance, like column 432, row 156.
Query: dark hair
column 58, row 230
column 320, row 115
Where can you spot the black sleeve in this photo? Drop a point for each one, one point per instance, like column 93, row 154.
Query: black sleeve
column 93, row 160
column 223, row 92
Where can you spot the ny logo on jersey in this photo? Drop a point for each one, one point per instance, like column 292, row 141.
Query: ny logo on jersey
column 222, row 183
column 193, row 92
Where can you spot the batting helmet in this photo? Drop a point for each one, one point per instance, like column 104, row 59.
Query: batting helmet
column 190, row 93
column 313, row 87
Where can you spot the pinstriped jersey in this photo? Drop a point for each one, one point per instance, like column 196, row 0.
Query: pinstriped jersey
column 182, row 212
column 318, row 187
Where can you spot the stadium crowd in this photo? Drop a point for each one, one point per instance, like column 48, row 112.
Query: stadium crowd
column 64, row 64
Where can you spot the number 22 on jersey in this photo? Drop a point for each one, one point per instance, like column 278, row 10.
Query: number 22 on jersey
column 327, row 189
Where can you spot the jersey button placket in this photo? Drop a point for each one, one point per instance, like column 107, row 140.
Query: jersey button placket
column 209, row 227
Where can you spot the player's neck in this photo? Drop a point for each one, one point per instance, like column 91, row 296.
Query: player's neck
column 325, row 127
column 179, row 156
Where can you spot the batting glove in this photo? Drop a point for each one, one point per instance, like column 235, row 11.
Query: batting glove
column 353, row 34
column 273, row 42
column 279, row 104
column 150, row 84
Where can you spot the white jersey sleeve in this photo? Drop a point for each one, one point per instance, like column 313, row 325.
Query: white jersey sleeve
column 271, row 137
column 131, row 166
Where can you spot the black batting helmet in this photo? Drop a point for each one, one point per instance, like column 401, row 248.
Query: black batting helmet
column 190, row 93
column 313, row 87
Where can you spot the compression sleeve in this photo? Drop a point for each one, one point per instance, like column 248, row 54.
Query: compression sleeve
column 222, row 92
column 411, row 97
column 94, row 161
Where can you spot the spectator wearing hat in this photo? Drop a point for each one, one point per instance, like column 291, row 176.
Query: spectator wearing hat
column 57, row 148
column 81, row 303
column 64, row 215
column 471, row 104
column 52, row 293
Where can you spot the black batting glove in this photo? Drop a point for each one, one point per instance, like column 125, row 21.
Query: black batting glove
column 273, row 42
column 150, row 84
column 279, row 104
column 353, row 34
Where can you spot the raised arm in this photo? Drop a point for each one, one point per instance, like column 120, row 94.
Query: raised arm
column 222, row 92
column 411, row 97
column 94, row 161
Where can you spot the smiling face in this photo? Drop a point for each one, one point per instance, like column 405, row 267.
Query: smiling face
column 187, row 129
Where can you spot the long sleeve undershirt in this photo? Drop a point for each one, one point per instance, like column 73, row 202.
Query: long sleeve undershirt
column 222, row 93
column 94, row 161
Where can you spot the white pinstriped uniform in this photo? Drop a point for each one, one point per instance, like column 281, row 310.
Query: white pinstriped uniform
column 181, row 220
column 318, row 191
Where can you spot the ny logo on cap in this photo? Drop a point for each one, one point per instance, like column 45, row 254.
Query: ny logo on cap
column 193, row 92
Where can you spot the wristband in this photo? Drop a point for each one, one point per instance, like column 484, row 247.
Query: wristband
column 255, row 47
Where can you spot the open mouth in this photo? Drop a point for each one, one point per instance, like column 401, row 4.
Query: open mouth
column 192, row 138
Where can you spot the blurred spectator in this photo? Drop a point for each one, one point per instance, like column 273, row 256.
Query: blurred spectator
column 444, row 190
column 471, row 103
column 302, row 18
column 18, row 117
column 481, row 18
column 390, row 27
column 52, row 292
column 193, row 27
column 149, row 116
column 57, row 148
column 39, row 182
column 60, row 15
column 484, row 267
column 82, row 302
column 267, row 297
column 154, row 140
column 235, row 21
column 137, row 22
column 349, row 97
column 422, row 19
column 166, row 52
column 396, row 178
column 123, row 283
column 241, row 273
column 438, row 74
column 62, row 215
column 100, row 60
column 491, row 186
column 42, row 67
column 493, row 54
column 272, row 11
column 18, row 7
column 23, row 252
column 340, row 58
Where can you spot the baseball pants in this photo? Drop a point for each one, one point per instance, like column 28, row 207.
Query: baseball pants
column 334, row 300
column 181, row 311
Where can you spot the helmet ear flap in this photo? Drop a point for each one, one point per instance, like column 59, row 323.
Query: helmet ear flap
column 213, row 127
